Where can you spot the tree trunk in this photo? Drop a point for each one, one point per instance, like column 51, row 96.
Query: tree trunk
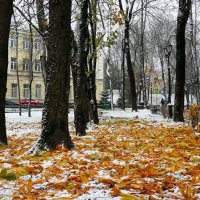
column 42, row 21
column 194, row 60
column 93, row 62
column 30, row 67
column 130, row 69
column 127, row 19
column 43, row 27
column 74, row 50
column 142, row 52
column 92, row 91
column 81, row 97
column 17, row 63
column 163, row 77
column 17, row 71
column 55, row 114
column 183, row 14
column 6, row 10
column 123, row 77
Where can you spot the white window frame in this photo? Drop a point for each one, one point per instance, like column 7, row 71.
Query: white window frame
column 38, row 91
column 13, row 42
column 26, row 44
column 14, row 91
column 38, row 66
column 26, row 64
column 26, row 91
column 37, row 45
column 13, row 63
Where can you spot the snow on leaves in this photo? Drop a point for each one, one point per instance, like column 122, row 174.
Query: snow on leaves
column 117, row 160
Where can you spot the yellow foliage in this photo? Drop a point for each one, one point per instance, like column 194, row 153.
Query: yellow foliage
column 135, row 156
column 194, row 109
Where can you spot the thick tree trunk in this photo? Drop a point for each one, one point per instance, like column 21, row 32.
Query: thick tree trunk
column 6, row 10
column 130, row 69
column 81, row 96
column 55, row 114
column 183, row 14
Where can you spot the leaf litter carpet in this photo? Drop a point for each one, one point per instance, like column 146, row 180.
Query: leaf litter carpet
column 127, row 159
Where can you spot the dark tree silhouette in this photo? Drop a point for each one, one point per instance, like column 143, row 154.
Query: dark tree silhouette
column 93, row 62
column 183, row 14
column 55, row 114
column 81, row 95
column 6, row 10
column 127, row 17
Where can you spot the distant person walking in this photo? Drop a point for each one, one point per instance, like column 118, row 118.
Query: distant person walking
column 163, row 108
column 162, row 102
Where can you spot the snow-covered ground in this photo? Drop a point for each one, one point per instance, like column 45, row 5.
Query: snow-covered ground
column 14, row 121
column 18, row 127
column 36, row 115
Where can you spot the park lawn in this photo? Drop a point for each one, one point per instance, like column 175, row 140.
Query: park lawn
column 118, row 159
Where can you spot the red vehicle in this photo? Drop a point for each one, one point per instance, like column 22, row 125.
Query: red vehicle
column 26, row 102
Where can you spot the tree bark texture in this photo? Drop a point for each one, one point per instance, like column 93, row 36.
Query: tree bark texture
column 183, row 14
column 74, row 50
column 30, row 68
column 92, row 91
column 17, row 63
column 43, row 27
column 93, row 62
column 81, row 95
column 55, row 114
column 6, row 10
column 127, row 19
column 42, row 21
column 130, row 69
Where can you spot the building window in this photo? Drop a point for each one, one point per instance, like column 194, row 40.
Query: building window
column 26, row 64
column 37, row 44
column 13, row 42
column 13, row 64
column 38, row 67
column 26, row 44
column 14, row 90
column 38, row 91
column 26, row 91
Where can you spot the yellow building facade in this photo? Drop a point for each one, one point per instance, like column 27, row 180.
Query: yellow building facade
column 22, row 51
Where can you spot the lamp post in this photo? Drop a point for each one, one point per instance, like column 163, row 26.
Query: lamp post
column 168, row 50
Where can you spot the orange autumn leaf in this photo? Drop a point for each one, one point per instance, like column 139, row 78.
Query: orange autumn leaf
column 123, row 184
column 115, row 192
column 168, row 182
column 84, row 178
column 29, row 185
column 58, row 185
column 148, row 171
column 107, row 181
column 187, row 191
column 152, row 187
